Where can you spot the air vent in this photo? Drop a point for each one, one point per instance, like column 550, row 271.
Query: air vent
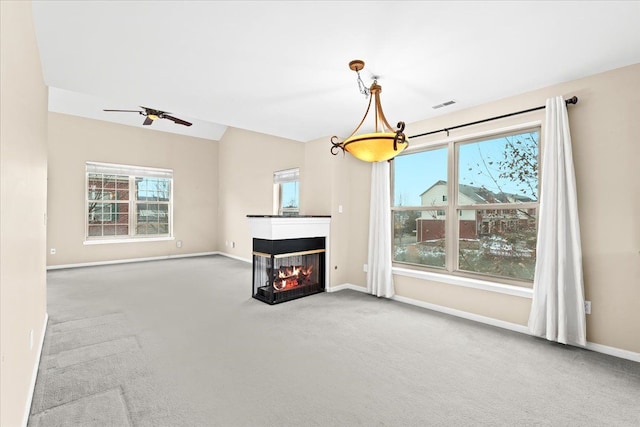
column 444, row 104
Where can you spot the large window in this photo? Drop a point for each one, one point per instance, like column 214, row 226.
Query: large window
column 286, row 197
column 124, row 202
column 469, row 207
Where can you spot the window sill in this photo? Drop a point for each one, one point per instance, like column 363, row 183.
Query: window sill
column 465, row 281
column 134, row 240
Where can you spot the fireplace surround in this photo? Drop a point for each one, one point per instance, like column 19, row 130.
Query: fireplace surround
column 290, row 256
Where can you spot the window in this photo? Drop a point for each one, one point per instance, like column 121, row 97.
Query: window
column 485, row 222
column 285, row 192
column 124, row 202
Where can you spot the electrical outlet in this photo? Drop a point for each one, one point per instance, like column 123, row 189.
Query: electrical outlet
column 587, row 307
column 179, row 243
column 233, row 244
column 52, row 251
column 365, row 268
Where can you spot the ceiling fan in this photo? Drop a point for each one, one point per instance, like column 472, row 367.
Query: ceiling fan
column 151, row 115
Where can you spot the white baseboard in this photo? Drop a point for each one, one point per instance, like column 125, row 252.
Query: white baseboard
column 34, row 374
column 464, row 314
column 124, row 261
column 347, row 286
column 599, row 348
column 235, row 257
column 612, row 351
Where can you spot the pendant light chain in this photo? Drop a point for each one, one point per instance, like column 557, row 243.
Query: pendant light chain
column 361, row 86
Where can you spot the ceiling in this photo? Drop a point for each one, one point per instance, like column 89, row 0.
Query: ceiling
column 281, row 67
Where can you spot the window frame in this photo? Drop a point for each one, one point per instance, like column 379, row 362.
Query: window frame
column 453, row 210
column 131, row 173
column 279, row 178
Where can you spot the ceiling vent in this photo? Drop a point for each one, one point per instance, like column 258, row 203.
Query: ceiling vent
column 444, row 104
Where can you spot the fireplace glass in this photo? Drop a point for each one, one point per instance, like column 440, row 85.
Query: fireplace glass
column 287, row 269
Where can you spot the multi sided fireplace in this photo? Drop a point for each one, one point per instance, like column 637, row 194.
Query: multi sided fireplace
column 290, row 256
column 287, row 269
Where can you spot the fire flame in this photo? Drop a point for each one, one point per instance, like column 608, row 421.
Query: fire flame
column 292, row 276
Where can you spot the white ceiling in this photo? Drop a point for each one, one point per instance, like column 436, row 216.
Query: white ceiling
column 281, row 67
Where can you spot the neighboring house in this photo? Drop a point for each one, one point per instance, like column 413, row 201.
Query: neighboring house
column 474, row 223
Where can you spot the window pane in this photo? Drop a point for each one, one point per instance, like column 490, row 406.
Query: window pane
column 142, row 212
column 94, row 186
column 419, row 237
column 100, row 212
column 163, row 214
column 499, row 170
column 109, row 189
column 420, row 179
column 122, row 218
column 290, row 195
column 152, row 218
column 153, row 189
column 499, row 242
column 288, row 198
column 163, row 190
column 122, row 230
column 147, row 229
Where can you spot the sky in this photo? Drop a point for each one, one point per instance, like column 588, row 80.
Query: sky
column 416, row 172
column 290, row 193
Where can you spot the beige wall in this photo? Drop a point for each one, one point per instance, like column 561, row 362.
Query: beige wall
column 74, row 140
column 23, row 186
column 331, row 182
column 605, row 128
column 246, row 165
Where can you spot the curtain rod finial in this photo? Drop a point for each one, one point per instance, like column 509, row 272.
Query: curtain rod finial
column 572, row 100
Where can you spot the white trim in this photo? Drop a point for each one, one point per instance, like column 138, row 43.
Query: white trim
column 286, row 175
column 119, row 169
column 466, row 282
column 347, row 286
column 464, row 314
column 34, row 374
column 612, row 351
column 235, row 257
column 134, row 240
column 126, row 261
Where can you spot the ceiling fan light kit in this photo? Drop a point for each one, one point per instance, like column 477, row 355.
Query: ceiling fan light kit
column 383, row 144
column 152, row 114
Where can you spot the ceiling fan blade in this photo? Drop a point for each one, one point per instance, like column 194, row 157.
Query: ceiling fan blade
column 126, row 111
column 176, row 120
column 147, row 121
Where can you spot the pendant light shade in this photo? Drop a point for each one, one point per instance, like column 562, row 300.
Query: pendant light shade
column 383, row 144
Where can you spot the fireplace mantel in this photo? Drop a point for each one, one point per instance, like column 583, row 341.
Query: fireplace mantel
column 276, row 227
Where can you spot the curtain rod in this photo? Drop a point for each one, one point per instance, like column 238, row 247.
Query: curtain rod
column 572, row 100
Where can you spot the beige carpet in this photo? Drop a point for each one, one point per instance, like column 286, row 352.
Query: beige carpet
column 182, row 343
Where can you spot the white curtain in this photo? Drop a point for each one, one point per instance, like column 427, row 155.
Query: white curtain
column 557, row 311
column 379, row 277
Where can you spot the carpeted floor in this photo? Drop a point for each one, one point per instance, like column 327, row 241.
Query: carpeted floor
column 182, row 343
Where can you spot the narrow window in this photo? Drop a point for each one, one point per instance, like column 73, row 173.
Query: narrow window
column 286, row 197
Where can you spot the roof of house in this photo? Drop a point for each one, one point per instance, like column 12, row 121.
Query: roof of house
column 482, row 194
